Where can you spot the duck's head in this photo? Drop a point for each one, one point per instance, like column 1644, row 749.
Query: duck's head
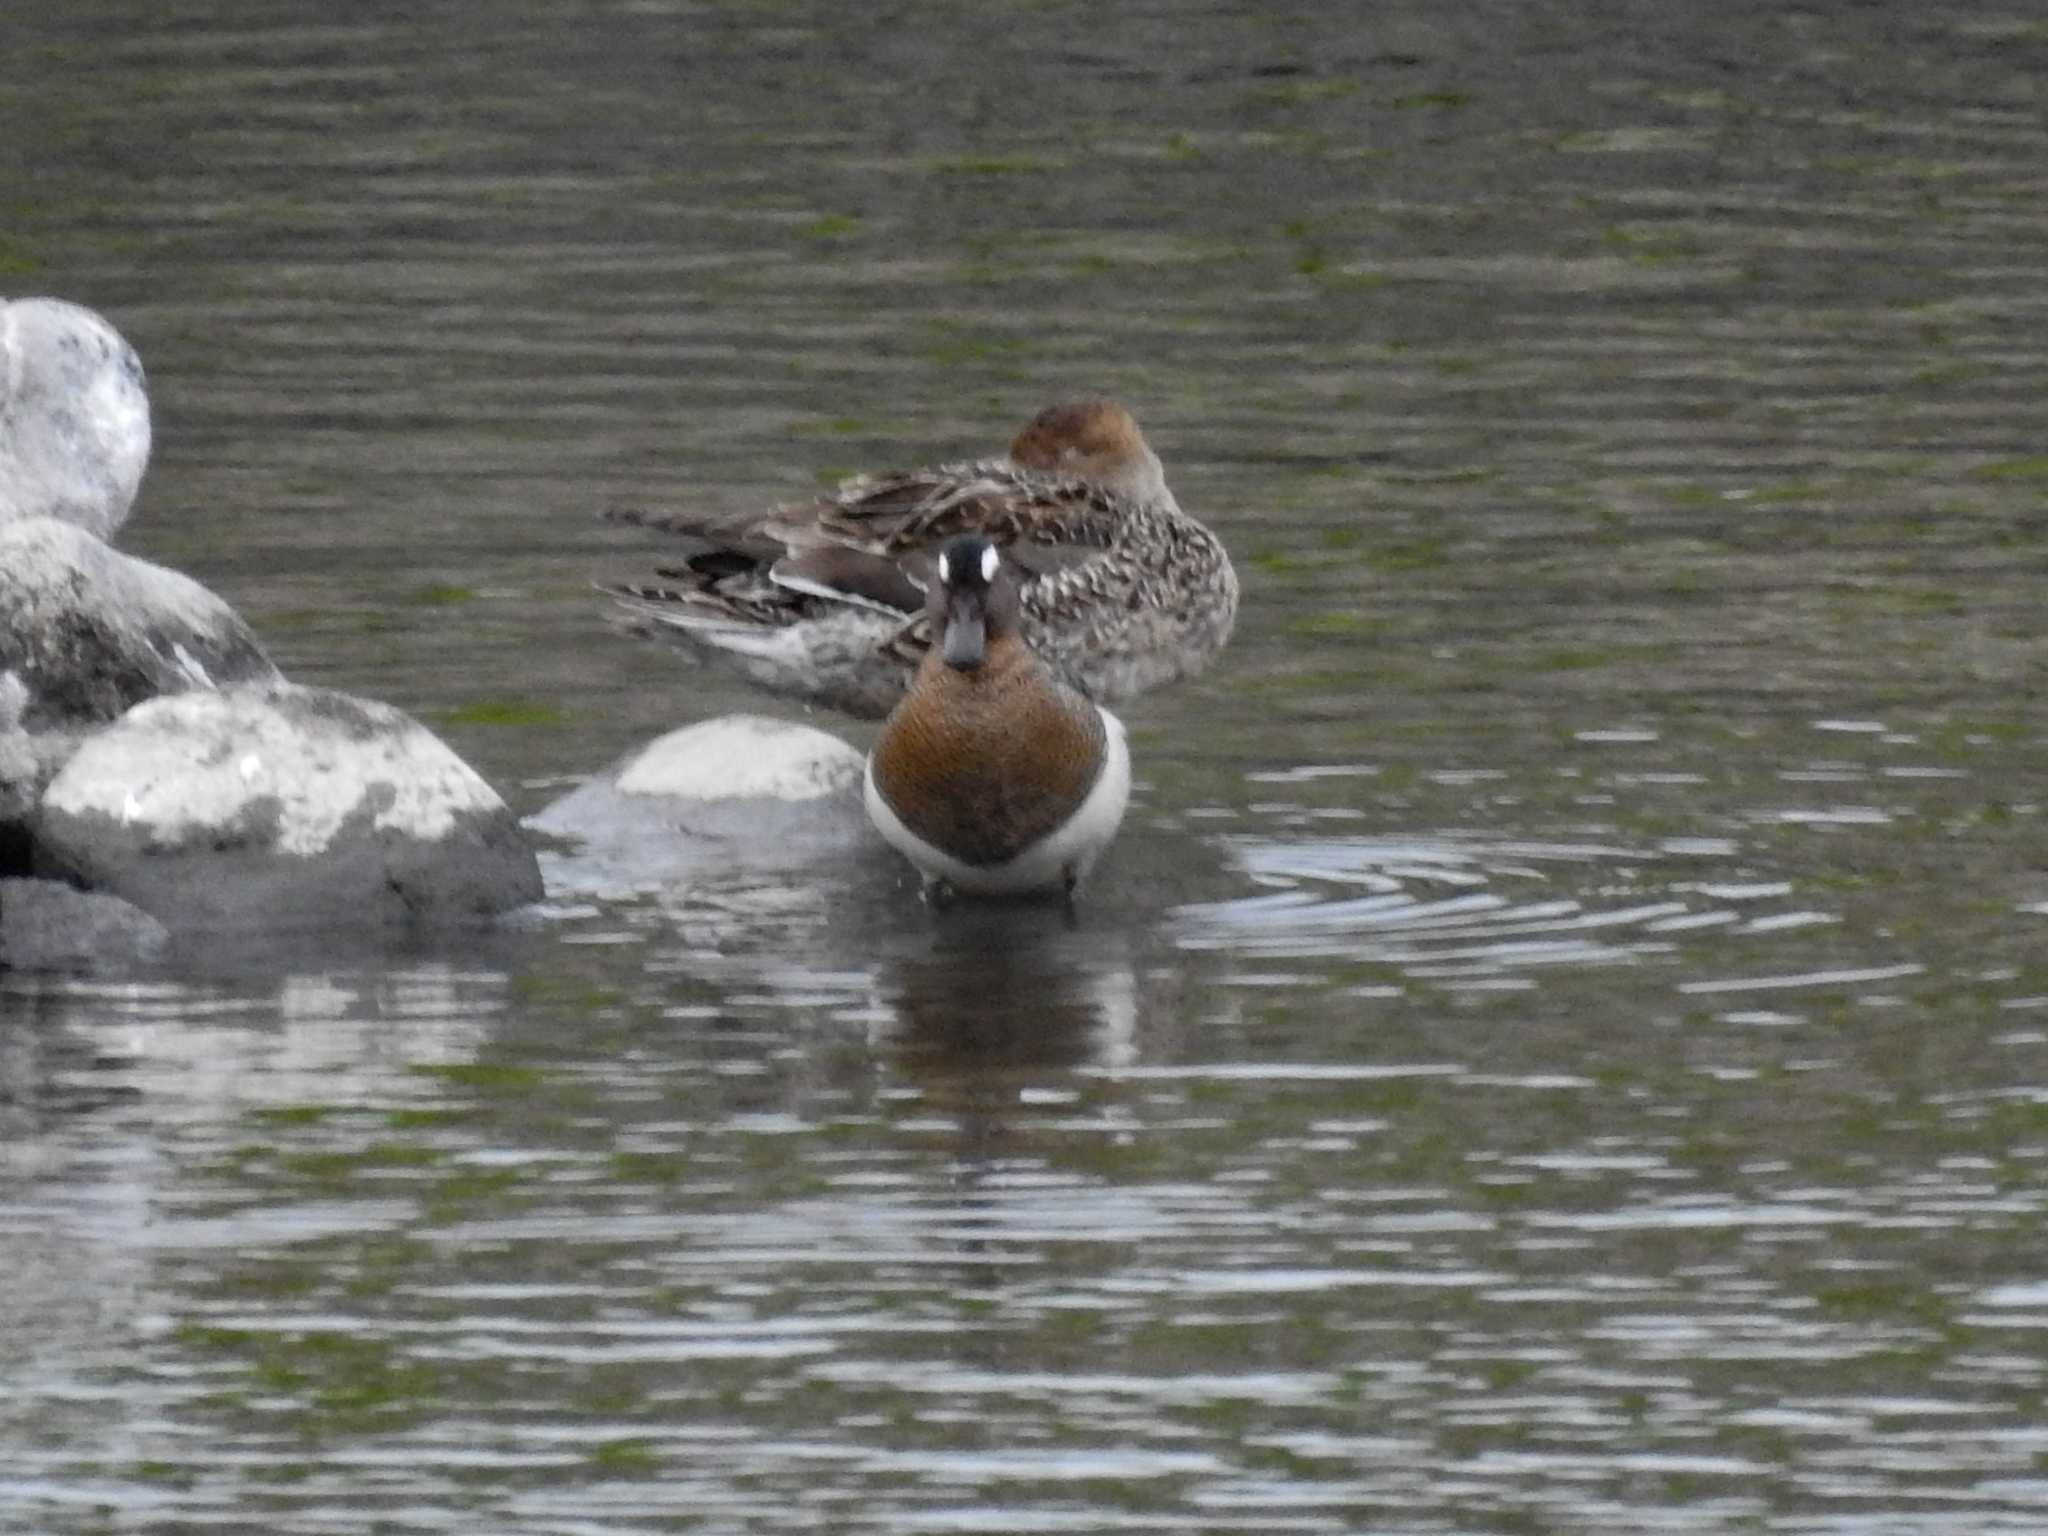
column 972, row 601
column 1095, row 440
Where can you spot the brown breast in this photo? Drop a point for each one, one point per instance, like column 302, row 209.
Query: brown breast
column 985, row 763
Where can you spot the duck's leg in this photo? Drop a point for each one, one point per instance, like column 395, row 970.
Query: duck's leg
column 1070, row 891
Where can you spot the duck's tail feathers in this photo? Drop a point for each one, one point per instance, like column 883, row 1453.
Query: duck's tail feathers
column 648, row 610
column 749, row 534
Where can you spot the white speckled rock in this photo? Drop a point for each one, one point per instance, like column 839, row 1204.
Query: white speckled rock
column 741, row 757
column 74, row 416
column 282, row 806
column 738, row 790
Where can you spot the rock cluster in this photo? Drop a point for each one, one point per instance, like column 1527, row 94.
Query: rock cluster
column 150, row 753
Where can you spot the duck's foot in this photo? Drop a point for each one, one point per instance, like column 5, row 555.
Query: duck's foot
column 938, row 895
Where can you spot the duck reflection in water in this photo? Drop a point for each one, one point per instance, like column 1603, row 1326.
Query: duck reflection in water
column 1007, row 996
column 995, row 1027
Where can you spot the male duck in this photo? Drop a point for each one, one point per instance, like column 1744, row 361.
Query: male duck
column 1121, row 590
column 992, row 776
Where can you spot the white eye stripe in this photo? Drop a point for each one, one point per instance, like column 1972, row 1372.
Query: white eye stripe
column 989, row 563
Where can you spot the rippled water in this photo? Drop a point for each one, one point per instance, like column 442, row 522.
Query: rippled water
column 1562, row 1043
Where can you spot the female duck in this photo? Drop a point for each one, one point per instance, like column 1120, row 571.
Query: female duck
column 991, row 776
column 1121, row 591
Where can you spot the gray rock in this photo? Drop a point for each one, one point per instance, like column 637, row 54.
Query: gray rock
column 21, row 775
column 85, row 633
column 740, row 791
column 28, row 761
column 48, row 926
column 74, row 416
column 282, row 807
column 88, row 631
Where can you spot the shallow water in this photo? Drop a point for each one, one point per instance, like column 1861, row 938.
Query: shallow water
column 1562, row 1042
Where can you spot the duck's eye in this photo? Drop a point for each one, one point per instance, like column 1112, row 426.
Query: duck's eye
column 989, row 562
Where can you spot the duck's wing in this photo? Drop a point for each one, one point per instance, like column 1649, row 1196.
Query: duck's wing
column 870, row 544
column 910, row 515
column 742, row 535
column 760, row 569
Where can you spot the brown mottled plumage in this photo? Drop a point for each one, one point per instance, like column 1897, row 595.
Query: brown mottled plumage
column 1122, row 590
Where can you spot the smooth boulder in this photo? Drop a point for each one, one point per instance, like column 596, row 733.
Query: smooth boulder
column 279, row 806
column 74, row 416
column 737, row 791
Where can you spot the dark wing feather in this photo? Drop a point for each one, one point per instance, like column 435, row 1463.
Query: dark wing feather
column 874, row 539
column 872, row 580
column 902, row 513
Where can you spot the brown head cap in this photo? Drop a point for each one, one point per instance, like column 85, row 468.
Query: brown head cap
column 1095, row 440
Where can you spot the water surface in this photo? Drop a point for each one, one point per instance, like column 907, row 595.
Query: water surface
column 1562, row 1042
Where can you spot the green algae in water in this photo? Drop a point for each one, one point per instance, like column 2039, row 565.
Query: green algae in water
column 1021, row 164
column 2030, row 468
column 842, row 426
column 493, row 1077
column 440, row 595
column 1442, row 101
column 832, row 226
column 1300, row 93
column 625, row 1457
column 1885, row 1299
column 293, row 1114
column 17, row 260
column 342, row 1167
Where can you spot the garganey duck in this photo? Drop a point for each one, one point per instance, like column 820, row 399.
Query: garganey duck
column 1121, row 591
column 991, row 775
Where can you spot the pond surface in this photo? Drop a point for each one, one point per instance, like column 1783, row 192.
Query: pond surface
column 1562, row 1041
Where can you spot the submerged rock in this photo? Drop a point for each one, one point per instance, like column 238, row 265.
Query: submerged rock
column 74, row 416
column 738, row 790
column 46, row 925
column 281, row 806
column 742, row 757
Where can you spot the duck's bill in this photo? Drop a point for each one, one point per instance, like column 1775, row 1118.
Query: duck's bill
column 965, row 642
